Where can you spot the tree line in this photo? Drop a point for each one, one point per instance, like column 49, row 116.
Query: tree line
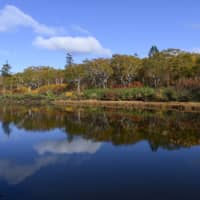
column 167, row 68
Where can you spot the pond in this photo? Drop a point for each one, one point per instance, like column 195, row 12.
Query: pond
column 95, row 153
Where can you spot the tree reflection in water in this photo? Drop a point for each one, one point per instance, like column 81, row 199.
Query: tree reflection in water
column 169, row 130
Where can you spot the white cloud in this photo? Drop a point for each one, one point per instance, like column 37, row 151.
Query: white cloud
column 12, row 17
column 77, row 45
column 64, row 147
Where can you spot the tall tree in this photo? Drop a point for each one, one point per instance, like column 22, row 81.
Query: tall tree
column 125, row 68
column 153, row 51
column 98, row 71
column 69, row 60
column 5, row 70
column 76, row 74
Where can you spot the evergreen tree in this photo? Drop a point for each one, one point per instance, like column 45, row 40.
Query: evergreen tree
column 5, row 70
column 153, row 50
column 69, row 60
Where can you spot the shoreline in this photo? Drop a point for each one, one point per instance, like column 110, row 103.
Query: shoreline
column 181, row 106
column 150, row 105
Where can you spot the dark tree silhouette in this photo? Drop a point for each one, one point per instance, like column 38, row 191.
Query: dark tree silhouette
column 5, row 70
column 69, row 60
column 153, row 50
column 6, row 128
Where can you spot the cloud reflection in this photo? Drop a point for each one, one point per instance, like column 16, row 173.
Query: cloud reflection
column 78, row 145
column 14, row 172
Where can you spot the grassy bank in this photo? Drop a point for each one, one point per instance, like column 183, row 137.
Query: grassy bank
column 142, row 94
column 145, row 97
column 27, row 99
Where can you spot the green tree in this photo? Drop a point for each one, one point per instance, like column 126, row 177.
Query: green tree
column 98, row 72
column 155, row 70
column 69, row 60
column 125, row 68
column 76, row 74
column 5, row 70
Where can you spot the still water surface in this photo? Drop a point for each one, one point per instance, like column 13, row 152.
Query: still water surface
column 66, row 153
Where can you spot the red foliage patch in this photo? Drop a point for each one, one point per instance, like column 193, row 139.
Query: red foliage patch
column 188, row 84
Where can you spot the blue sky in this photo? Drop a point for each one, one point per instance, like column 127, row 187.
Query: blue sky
column 39, row 32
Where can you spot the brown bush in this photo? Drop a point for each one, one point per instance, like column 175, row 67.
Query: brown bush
column 54, row 89
column 20, row 90
column 192, row 84
column 130, row 85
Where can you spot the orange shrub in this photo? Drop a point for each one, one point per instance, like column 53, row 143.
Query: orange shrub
column 69, row 94
column 20, row 90
column 53, row 88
